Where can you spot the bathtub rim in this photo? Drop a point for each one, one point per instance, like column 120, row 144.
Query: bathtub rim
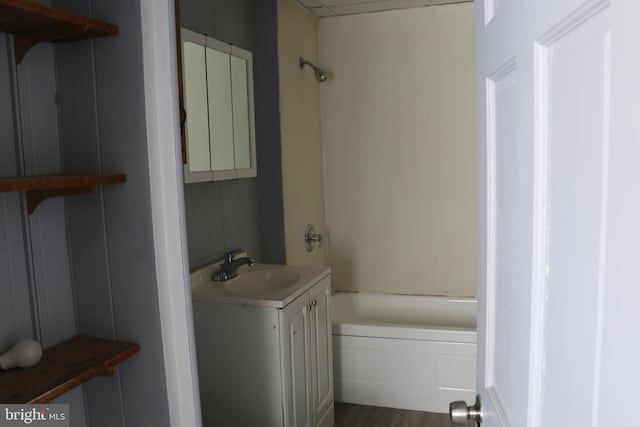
column 407, row 331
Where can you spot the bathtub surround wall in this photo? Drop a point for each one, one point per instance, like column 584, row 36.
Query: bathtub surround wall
column 398, row 128
column 245, row 213
column 302, row 174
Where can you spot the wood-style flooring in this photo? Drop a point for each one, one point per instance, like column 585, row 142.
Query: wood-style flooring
column 349, row 415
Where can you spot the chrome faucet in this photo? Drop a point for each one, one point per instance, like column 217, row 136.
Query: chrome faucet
column 229, row 268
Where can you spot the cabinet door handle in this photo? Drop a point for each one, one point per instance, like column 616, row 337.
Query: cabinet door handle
column 314, row 303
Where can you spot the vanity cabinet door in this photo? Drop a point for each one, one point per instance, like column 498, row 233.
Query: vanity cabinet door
column 321, row 349
column 296, row 363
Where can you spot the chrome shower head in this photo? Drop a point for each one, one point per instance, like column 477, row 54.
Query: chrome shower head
column 320, row 74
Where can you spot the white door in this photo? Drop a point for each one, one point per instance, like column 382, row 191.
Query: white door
column 559, row 202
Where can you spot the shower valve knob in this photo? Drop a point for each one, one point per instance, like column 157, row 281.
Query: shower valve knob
column 311, row 238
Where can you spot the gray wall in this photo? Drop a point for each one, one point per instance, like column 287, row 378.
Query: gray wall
column 83, row 264
column 244, row 213
column 16, row 314
column 102, row 119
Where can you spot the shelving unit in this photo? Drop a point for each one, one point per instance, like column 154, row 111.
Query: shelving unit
column 63, row 368
column 39, row 188
column 67, row 365
column 31, row 23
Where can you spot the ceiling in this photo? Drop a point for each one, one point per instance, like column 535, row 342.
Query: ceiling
column 325, row 8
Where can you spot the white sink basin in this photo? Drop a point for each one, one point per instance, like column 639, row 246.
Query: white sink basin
column 261, row 282
column 266, row 285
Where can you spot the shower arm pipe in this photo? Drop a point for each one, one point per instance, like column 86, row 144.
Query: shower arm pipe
column 320, row 74
column 304, row 62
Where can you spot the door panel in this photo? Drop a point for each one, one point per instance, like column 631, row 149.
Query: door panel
column 574, row 86
column 509, row 194
column 322, row 352
column 297, row 363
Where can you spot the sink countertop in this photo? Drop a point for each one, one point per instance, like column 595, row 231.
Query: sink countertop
column 203, row 288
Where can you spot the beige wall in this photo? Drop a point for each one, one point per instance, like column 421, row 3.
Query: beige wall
column 398, row 128
column 302, row 174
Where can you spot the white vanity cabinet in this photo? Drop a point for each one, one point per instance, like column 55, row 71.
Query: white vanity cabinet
column 262, row 365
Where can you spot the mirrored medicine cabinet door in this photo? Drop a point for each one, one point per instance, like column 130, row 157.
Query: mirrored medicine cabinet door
column 218, row 92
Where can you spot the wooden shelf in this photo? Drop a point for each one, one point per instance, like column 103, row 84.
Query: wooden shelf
column 63, row 368
column 31, row 23
column 39, row 188
column 52, row 182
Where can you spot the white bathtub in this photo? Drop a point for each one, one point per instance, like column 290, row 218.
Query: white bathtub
column 409, row 352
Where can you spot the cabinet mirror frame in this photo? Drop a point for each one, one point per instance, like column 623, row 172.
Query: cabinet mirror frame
column 232, row 138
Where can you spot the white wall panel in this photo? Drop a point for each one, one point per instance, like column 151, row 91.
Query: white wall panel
column 398, row 129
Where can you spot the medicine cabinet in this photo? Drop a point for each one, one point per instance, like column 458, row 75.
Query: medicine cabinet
column 218, row 94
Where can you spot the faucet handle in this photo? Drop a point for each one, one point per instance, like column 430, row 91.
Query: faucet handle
column 228, row 257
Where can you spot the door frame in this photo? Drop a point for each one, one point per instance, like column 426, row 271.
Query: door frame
column 162, row 108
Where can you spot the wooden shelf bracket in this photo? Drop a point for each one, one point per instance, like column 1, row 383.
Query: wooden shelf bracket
column 23, row 42
column 107, row 372
column 35, row 197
